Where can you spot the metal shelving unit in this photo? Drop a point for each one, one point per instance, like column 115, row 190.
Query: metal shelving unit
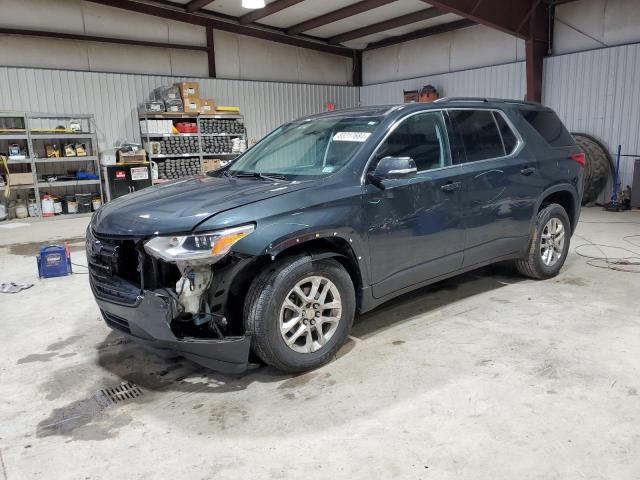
column 37, row 130
column 201, row 154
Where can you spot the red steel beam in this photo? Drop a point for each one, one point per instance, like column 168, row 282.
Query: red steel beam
column 269, row 9
column 526, row 19
column 505, row 16
column 425, row 32
column 93, row 38
column 204, row 19
column 211, row 52
column 195, row 5
column 357, row 68
column 336, row 15
column 535, row 50
column 396, row 22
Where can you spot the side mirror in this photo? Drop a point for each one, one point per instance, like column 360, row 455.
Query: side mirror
column 390, row 168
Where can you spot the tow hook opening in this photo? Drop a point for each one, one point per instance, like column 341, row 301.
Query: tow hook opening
column 201, row 325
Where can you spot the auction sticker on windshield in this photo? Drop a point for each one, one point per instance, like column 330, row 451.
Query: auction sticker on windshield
column 351, row 136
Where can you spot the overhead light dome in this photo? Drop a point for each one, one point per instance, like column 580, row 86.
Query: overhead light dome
column 253, row 4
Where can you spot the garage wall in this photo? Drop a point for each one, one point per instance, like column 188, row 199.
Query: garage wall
column 598, row 92
column 588, row 24
column 502, row 81
column 471, row 47
column 237, row 56
column 242, row 57
column 113, row 98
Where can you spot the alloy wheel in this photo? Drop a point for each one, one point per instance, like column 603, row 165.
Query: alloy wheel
column 310, row 314
column 552, row 242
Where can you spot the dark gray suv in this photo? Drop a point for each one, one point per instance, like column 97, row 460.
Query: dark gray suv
column 330, row 216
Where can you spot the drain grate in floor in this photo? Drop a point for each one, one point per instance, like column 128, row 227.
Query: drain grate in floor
column 123, row 392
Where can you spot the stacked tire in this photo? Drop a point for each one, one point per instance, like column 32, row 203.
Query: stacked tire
column 224, row 125
column 217, row 145
column 174, row 168
column 179, row 145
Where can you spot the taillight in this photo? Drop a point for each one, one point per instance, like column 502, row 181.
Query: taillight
column 579, row 157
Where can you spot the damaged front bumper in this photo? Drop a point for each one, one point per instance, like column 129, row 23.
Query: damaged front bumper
column 146, row 318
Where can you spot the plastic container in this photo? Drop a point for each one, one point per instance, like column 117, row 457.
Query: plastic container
column 47, row 206
column 33, row 208
column 84, row 202
column 57, row 206
column 96, row 203
column 22, row 211
column 70, row 204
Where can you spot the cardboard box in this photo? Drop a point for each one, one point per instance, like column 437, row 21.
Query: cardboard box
column 132, row 157
column 189, row 90
column 192, row 105
column 207, row 106
column 20, row 178
column 210, row 164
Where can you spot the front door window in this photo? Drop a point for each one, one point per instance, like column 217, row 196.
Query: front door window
column 421, row 137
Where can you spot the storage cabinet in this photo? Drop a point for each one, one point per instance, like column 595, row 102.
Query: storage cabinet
column 124, row 179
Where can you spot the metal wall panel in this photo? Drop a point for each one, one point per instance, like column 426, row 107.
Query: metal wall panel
column 501, row 81
column 598, row 93
column 114, row 98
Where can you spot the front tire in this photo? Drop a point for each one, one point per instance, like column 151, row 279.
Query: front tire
column 549, row 244
column 299, row 312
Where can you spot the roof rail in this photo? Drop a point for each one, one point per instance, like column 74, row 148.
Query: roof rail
column 486, row 100
column 461, row 99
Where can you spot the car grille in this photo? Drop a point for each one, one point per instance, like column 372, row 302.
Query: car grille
column 114, row 268
column 120, row 270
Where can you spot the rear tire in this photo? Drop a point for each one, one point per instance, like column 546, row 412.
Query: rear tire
column 549, row 244
column 282, row 303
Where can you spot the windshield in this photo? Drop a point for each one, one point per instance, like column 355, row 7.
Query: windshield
column 308, row 149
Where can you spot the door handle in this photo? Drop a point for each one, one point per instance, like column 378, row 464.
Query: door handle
column 527, row 171
column 450, row 186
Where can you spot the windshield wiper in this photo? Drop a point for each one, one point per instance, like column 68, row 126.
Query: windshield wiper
column 273, row 177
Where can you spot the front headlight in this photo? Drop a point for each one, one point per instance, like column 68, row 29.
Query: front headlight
column 204, row 247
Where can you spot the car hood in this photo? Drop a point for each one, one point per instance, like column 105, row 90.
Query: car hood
column 179, row 206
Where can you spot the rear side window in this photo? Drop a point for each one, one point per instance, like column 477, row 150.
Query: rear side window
column 479, row 134
column 549, row 126
column 508, row 137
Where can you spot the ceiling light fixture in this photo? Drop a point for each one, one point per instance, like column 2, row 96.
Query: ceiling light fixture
column 253, row 4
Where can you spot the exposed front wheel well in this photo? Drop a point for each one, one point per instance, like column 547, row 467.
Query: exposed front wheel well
column 565, row 199
column 337, row 248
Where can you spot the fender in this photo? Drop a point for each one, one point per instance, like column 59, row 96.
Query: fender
column 561, row 187
column 273, row 239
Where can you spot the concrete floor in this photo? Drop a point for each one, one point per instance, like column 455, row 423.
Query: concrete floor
column 486, row 376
